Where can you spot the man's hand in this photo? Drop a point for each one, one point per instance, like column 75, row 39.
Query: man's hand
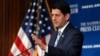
column 38, row 42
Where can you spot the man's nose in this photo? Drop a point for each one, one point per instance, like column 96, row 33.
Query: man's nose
column 54, row 18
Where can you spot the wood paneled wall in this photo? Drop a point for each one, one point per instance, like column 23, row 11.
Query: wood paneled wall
column 12, row 13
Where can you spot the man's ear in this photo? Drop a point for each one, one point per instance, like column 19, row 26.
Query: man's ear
column 67, row 16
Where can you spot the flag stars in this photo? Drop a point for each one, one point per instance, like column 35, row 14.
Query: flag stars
column 31, row 24
column 43, row 10
column 46, row 19
column 27, row 17
column 28, row 10
column 42, row 30
column 26, row 23
column 42, row 16
column 39, row 25
column 40, row 22
column 30, row 30
column 40, row 7
column 44, row 25
column 49, row 28
column 32, row 17
column 34, row 25
column 33, row 10
column 34, row 32
column 34, row 4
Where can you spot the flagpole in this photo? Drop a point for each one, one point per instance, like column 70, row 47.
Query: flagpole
column 48, row 8
column 38, row 14
column 35, row 53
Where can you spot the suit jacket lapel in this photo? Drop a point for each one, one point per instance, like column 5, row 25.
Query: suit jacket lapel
column 61, row 39
column 64, row 35
column 53, row 38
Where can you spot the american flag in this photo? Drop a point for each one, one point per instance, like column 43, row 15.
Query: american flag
column 36, row 14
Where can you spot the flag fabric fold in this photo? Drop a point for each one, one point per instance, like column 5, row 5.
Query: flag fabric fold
column 23, row 44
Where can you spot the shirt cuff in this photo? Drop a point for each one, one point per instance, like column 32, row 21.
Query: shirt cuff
column 46, row 50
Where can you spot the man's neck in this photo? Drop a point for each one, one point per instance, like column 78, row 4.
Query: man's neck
column 62, row 28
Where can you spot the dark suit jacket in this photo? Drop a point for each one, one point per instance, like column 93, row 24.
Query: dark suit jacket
column 70, row 43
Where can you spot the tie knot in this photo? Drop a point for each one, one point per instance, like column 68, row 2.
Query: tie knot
column 59, row 33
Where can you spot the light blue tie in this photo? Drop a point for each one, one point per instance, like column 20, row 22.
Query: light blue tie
column 57, row 39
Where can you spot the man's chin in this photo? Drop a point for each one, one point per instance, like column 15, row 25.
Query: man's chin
column 56, row 26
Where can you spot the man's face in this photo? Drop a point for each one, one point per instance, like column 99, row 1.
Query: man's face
column 58, row 18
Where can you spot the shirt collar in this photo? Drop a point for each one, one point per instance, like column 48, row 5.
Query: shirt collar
column 62, row 29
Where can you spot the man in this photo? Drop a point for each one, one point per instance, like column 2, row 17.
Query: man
column 71, row 39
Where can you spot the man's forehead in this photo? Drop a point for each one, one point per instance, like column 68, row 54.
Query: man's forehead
column 56, row 11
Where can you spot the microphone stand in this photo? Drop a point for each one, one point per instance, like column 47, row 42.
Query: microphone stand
column 22, row 53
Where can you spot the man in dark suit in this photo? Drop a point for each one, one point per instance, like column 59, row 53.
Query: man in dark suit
column 70, row 40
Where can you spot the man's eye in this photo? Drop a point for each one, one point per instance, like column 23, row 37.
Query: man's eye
column 57, row 15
